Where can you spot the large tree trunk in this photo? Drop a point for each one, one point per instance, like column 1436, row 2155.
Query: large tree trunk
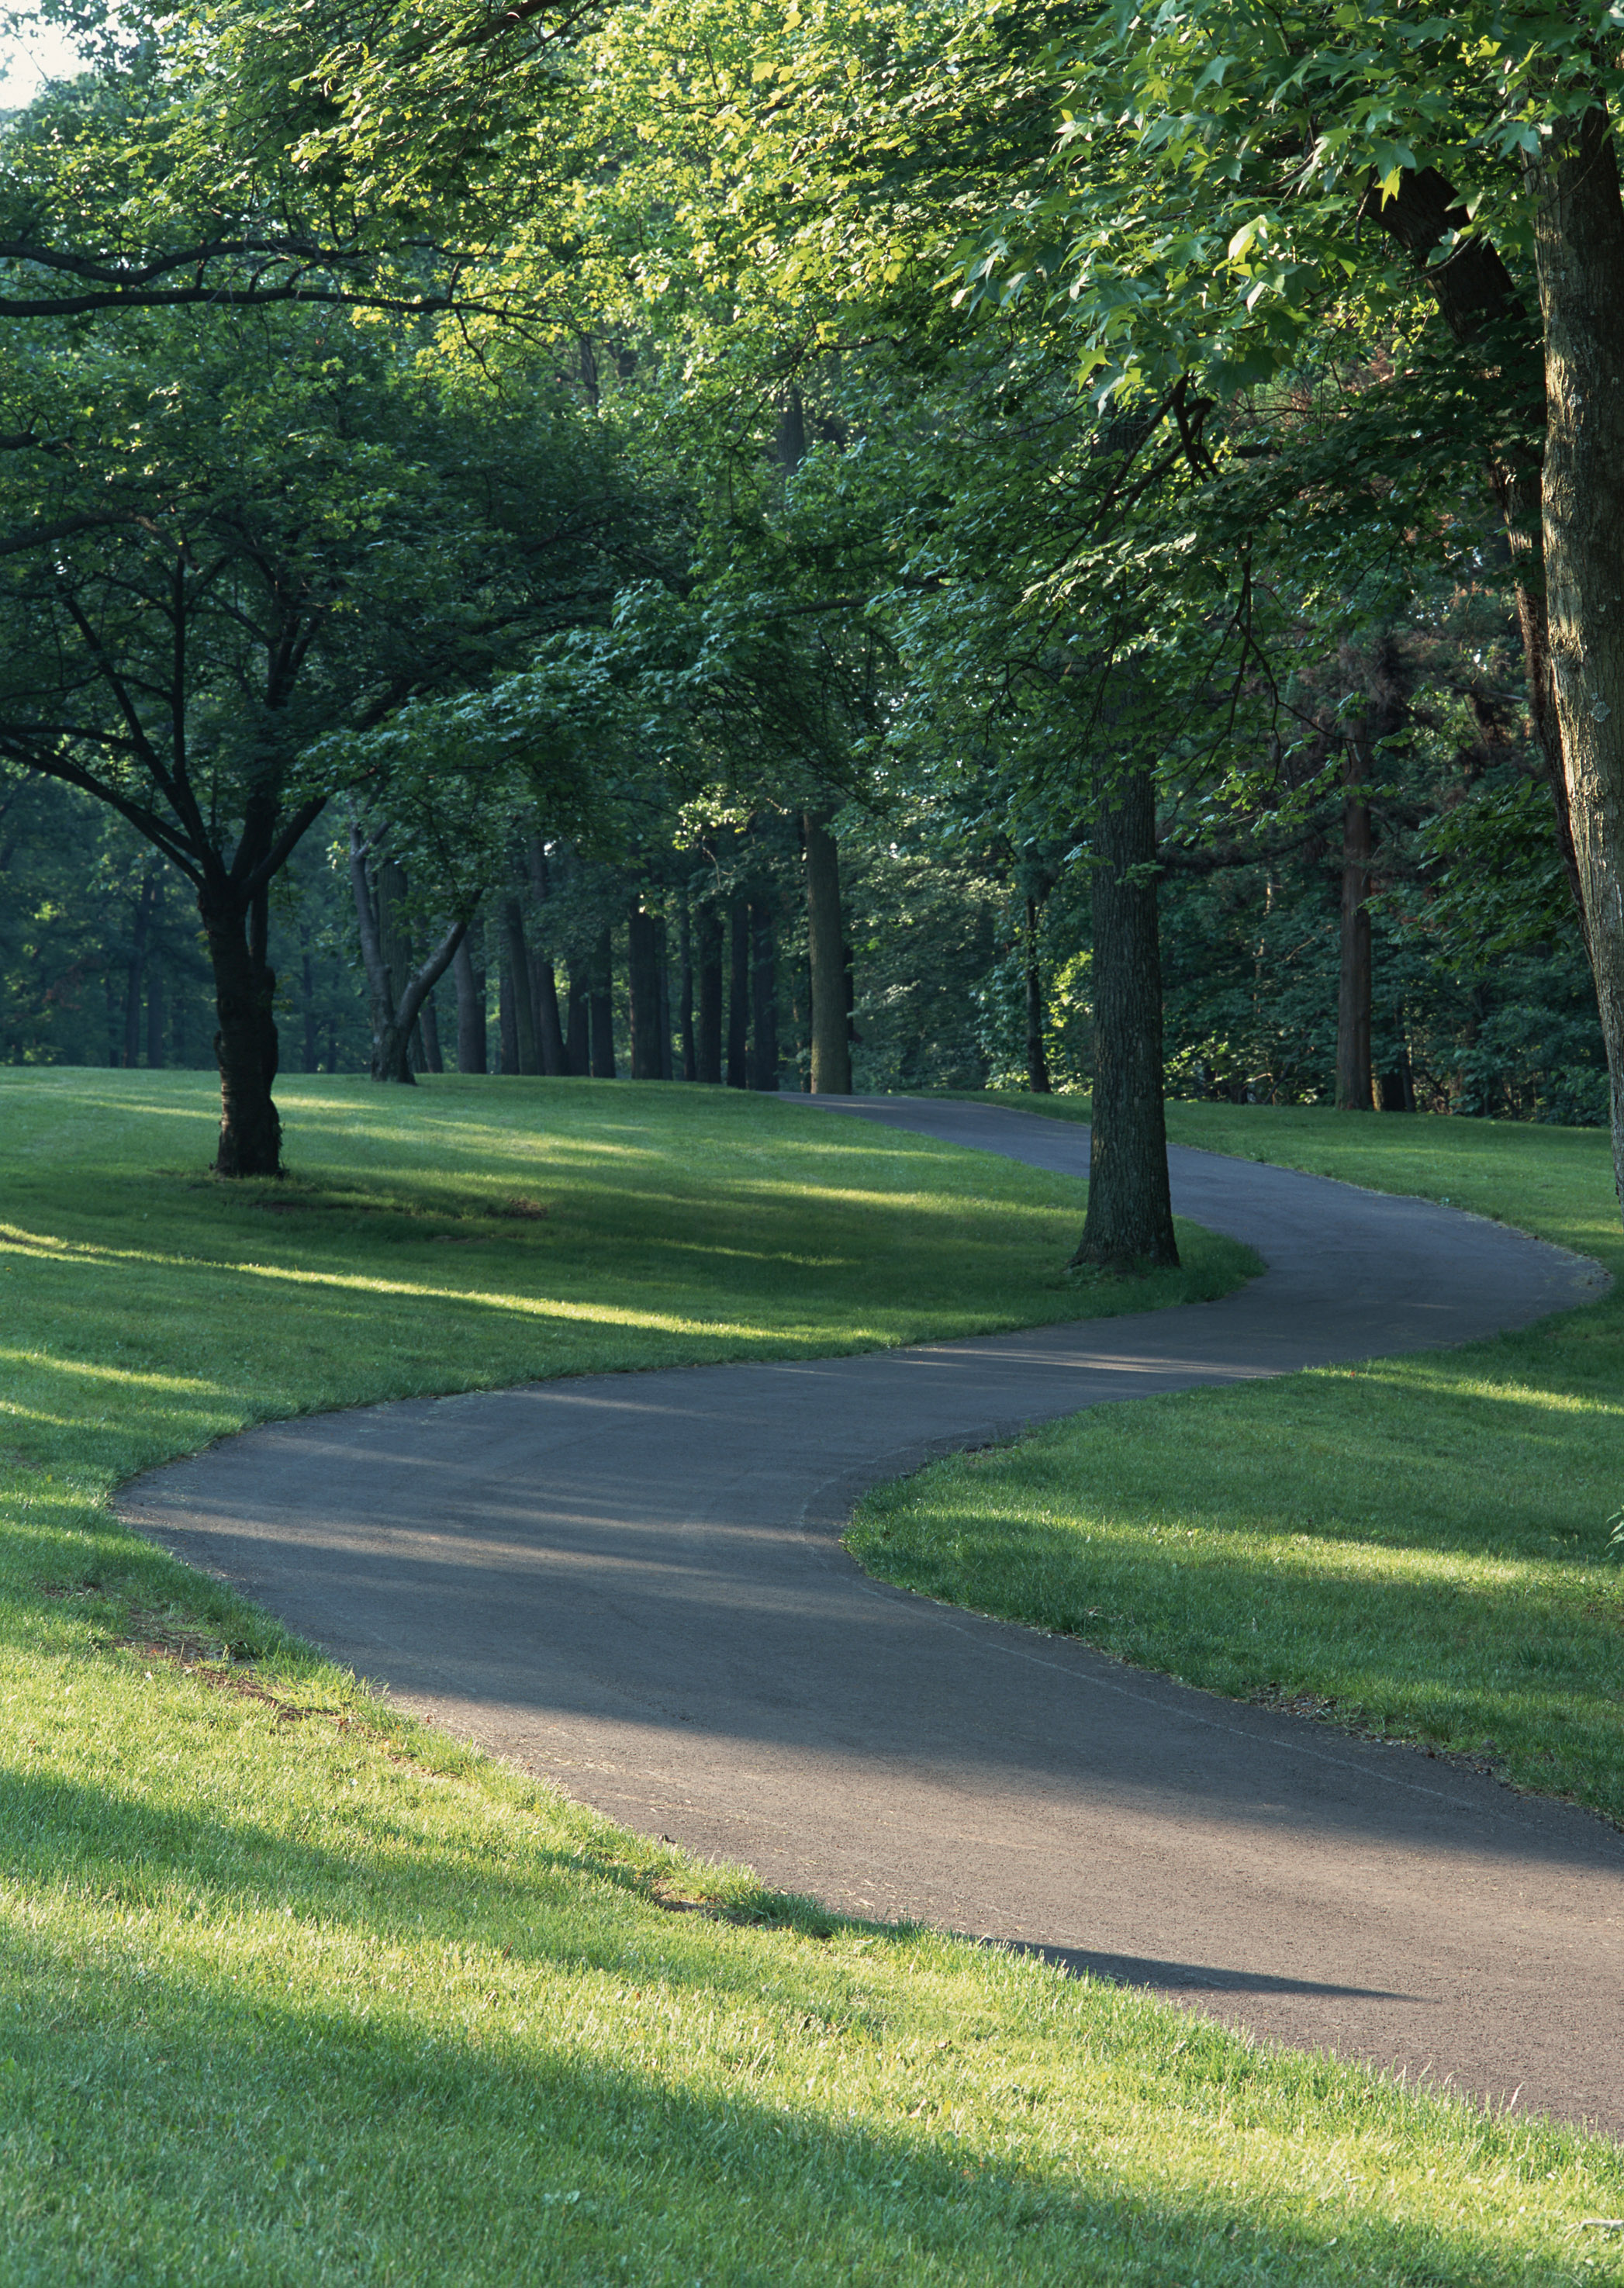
column 1037, row 1055
column 831, row 1045
column 245, row 1044
column 643, row 980
column 763, row 997
column 739, row 998
column 602, row 1008
column 1353, row 988
column 473, row 1048
column 1579, row 247
column 707, row 1047
column 1130, row 1220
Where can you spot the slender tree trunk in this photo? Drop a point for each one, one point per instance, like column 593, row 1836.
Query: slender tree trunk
column 685, row 939
column 507, row 1030
column 472, row 1051
column 1396, row 1091
column 394, row 936
column 543, row 977
column 135, row 973
column 1472, row 290
column 1130, row 1219
column 831, row 1045
column 738, row 999
column 603, row 1008
column 1037, row 1054
column 707, row 1045
column 245, row 1044
column 1579, row 247
column 577, row 1040
column 763, row 997
column 428, row 1019
column 307, row 979
column 665, row 1001
column 154, row 1016
column 1353, row 987
column 395, row 1009
column 549, row 1022
column 516, row 965
column 642, row 977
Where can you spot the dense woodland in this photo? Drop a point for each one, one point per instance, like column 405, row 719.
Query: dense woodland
column 844, row 545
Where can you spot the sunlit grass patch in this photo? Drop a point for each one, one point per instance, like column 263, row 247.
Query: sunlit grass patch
column 295, row 1992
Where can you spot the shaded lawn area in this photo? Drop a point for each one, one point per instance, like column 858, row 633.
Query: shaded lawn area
column 1416, row 1547
column 295, row 1991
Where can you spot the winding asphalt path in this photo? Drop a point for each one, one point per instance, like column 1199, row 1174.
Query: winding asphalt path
column 633, row 1585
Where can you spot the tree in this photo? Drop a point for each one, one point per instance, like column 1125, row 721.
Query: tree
column 1483, row 138
column 243, row 532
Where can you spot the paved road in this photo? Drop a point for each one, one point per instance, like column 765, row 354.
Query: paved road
column 634, row 1585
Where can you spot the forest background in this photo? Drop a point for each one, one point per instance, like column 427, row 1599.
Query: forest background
column 620, row 540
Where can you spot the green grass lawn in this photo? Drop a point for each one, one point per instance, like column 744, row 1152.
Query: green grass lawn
column 1415, row 1548
column 293, row 1991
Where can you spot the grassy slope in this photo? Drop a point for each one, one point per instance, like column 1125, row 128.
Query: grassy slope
column 1417, row 1547
column 292, row 1991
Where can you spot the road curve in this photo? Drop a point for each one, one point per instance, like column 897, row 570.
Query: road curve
column 633, row 1585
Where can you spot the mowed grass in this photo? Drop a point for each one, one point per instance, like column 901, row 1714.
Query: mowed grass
column 1416, row 1547
column 294, row 1991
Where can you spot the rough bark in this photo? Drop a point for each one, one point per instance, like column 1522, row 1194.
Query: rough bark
column 516, row 956
column 602, row 1008
column 1130, row 1220
column 1353, row 981
column 763, row 997
column 643, row 981
column 1578, row 249
column 1037, row 1055
column 831, row 1046
column 739, row 998
column 472, row 1047
column 707, row 1045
